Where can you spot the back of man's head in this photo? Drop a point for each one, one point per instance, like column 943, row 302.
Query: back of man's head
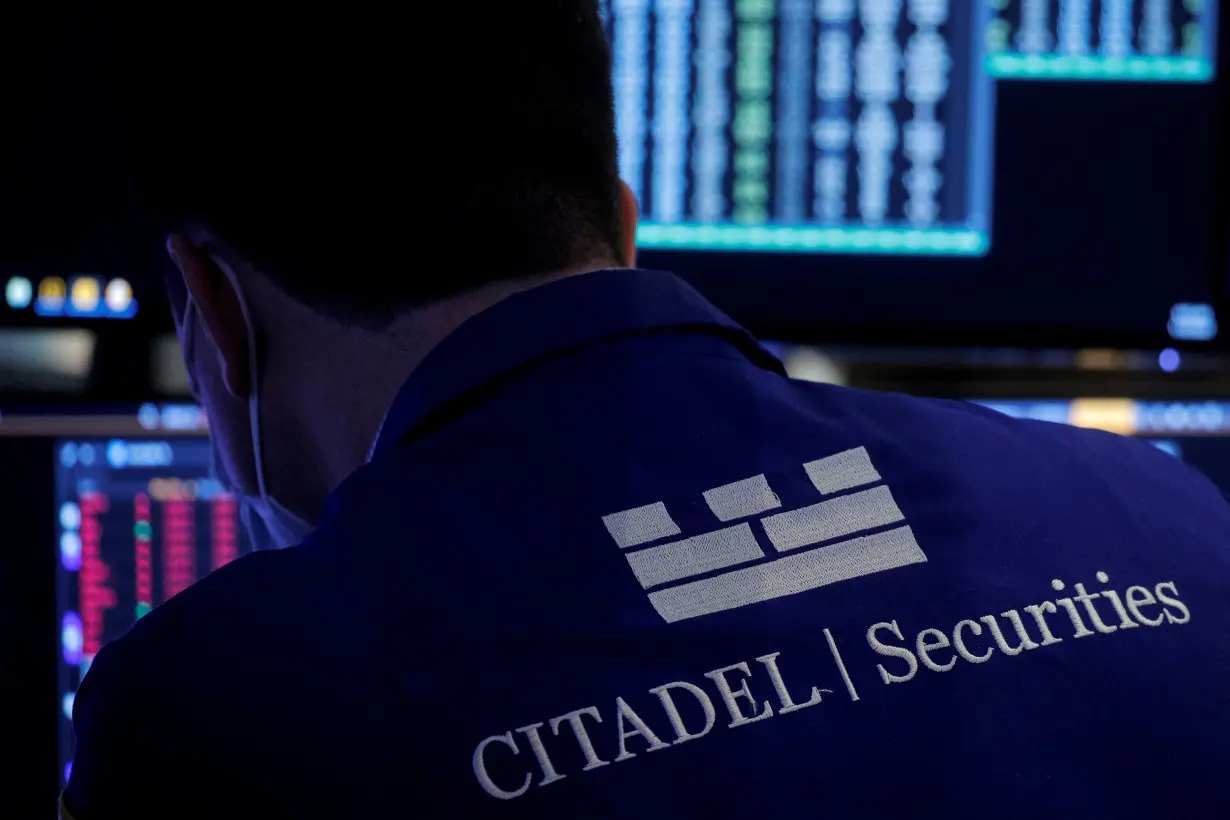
column 369, row 160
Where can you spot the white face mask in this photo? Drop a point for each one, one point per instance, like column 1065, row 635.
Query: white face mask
column 269, row 523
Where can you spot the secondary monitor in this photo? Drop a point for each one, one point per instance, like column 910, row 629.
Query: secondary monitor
column 1108, row 40
column 122, row 500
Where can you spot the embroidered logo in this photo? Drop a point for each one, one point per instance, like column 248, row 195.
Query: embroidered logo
column 855, row 500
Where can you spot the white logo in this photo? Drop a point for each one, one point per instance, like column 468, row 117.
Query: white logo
column 788, row 531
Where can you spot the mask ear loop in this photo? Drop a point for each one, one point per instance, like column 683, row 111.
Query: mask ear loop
column 253, row 402
column 188, row 342
column 188, row 351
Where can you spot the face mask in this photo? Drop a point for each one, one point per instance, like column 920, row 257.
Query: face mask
column 269, row 523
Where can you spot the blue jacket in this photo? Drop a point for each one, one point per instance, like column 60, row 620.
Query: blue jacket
column 607, row 560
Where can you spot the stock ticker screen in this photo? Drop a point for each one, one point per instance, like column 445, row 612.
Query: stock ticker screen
column 836, row 125
column 799, row 125
column 137, row 520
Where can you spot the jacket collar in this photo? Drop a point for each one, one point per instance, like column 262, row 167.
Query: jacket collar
column 544, row 322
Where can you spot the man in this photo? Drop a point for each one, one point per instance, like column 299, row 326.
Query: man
column 565, row 541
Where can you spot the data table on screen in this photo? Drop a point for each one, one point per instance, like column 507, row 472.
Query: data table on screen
column 805, row 125
column 138, row 522
column 1106, row 40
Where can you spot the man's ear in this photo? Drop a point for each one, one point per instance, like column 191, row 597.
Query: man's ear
column 630, row 213
column 219, row 308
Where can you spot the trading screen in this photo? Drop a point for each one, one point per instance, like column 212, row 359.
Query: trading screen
column 796, row 125
column 855, row 126
column 138, row 520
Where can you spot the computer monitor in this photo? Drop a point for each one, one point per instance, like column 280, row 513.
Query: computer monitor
column 124, row 501
column 1196, row 431
column 893, row 170
column 795, row 125
column 1111, row 40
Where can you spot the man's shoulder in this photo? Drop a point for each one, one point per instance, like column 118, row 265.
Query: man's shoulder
column 150, row 700
column 239, row 591
column 218, row 677
column 970, row 436
column 954, row 415
column 215, row 621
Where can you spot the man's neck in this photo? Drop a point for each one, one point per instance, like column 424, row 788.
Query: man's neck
column 351, row 376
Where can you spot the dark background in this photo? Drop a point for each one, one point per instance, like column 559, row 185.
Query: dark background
column 29, row 634
column 1110, row 206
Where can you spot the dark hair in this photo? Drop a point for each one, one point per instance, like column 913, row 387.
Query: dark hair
column 369, row 162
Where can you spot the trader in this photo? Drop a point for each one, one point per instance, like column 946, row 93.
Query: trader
column 565, row 540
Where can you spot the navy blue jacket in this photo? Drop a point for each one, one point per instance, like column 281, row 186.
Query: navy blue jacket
column 607, row 560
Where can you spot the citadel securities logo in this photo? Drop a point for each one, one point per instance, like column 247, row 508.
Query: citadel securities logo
column 665, row 568
column 506, row 766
